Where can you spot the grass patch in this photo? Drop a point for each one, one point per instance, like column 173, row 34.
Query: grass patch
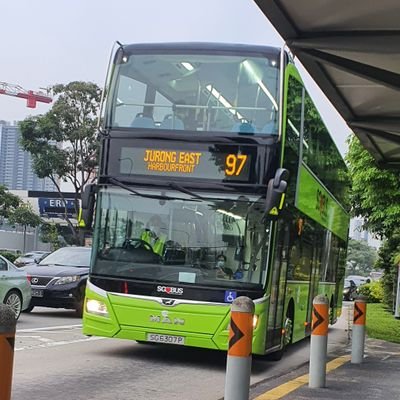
column 381, row 323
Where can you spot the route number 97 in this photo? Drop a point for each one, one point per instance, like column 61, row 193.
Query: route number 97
column 234, row 164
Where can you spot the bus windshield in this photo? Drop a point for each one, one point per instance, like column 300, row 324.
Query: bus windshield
column 195, row 92
column 179, row 239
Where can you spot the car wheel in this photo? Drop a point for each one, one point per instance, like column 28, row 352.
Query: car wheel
column 80, row 302
column 13, row 299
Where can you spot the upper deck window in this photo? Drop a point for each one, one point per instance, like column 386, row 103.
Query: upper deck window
column 195, row 92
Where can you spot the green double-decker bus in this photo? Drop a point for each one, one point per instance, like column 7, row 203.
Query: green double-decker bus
column 217, row 179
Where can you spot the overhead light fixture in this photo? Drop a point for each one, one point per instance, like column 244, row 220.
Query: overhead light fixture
column 223, row 101
column 229, row 214
column 187, row 65
column 260, row 83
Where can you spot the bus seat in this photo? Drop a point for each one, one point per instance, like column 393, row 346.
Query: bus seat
column 244, row 127
column 141, row 121
column 170, row 122
column 270, row 128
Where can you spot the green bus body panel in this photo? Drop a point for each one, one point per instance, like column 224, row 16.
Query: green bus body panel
column 204, row 326
column 316, row 202
column 299, row 293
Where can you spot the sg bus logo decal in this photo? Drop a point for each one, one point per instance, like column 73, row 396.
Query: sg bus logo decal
column 170, row 290
column 322, row 204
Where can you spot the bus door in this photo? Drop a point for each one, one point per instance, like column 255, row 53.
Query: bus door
column 314, row 279
column 278, row 285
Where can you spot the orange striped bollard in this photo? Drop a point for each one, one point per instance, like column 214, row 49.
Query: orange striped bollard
column 238, row 364
column 319, row 342
column 358, row 332
column 7, row 339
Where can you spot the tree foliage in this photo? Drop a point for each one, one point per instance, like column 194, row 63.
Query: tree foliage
column 387, row 262
column 8, row 202
column 63, row 142
column 376, row 197
column 360, row 258
column 49, row 233
column 375, row 191
column 25, row 216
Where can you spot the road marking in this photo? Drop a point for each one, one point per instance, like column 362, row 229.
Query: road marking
column 59, row 343
column 50, row 328
column 288, row 387
column 39, row 338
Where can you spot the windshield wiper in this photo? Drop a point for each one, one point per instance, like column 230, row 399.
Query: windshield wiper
column 181, row 189
column 149, row 196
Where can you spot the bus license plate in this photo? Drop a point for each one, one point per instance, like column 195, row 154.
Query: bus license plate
column 158, row 338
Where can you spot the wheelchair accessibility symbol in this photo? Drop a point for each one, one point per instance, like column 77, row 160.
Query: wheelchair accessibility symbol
column 230, row 296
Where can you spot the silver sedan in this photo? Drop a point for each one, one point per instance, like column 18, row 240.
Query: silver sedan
column 15, row 289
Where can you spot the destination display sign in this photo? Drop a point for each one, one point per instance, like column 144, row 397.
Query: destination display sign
column 210, row 164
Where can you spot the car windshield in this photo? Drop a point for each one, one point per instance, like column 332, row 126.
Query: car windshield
column 69, row 257
column 211, row 242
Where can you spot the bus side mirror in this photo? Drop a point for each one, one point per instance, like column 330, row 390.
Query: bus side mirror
column 88, row 199
column 276, row 193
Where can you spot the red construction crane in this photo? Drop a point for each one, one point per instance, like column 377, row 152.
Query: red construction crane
column 31, row 97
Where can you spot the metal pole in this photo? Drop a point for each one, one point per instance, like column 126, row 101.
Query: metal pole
column 7, row 339
column 238, row 364
column 358, row 334
column 397, row 309
column 319, row 342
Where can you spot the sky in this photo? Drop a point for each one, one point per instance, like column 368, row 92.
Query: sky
column 44, row 42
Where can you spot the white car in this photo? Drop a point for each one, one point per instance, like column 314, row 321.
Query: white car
column 15, row 289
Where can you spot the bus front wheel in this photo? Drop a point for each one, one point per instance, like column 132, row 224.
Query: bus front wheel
column 286, row 339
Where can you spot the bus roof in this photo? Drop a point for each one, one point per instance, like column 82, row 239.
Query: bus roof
column 200, row 47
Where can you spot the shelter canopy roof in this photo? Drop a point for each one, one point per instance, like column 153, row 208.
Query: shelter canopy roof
column 352, row 51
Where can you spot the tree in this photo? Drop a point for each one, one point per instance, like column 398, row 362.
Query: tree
column 25, row 216
column 360, row 258
column 63, row 142
column 376, row 197
column 387, row 261
column 49, row 233
column 375, row 191
column 8, row 202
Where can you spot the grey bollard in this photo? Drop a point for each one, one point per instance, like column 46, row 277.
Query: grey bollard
column 358, row 333
column 319, row 342
column 7, row 339
column 238, row 364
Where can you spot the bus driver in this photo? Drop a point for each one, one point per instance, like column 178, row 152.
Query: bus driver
column 154, row 236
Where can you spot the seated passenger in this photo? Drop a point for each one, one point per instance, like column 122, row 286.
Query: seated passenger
column 172, row 122
column 222, row 270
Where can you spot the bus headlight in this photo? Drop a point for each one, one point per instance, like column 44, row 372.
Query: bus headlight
column 96, row 307
column 255, row 321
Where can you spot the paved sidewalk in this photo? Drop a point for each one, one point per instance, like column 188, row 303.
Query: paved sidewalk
column 378, row 377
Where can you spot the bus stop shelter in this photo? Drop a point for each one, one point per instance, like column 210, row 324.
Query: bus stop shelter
column 352, row 51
